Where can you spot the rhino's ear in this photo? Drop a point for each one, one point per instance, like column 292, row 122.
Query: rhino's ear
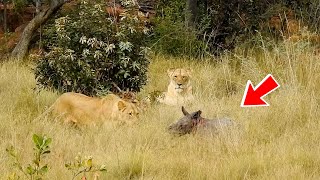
column 197, row 115
column 184, row 111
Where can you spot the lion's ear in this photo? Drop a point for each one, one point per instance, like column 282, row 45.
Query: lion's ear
column 122, row 105
column 189, row 71
column 170, row 71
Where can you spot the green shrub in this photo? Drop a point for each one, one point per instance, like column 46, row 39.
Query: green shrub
column 34, row 170
column 91, row 50
column 83, row 165
column 308, row 11
column 175, row 39
column 170, row 34
column 222, row 25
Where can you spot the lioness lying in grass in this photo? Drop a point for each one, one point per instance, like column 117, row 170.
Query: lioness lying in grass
column 81, row 109
column 180, row 87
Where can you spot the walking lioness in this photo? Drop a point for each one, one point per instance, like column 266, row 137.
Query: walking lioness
column 180, row 88
column 81, row 109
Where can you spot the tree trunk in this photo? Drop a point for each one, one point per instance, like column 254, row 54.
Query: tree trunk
column 5, row 24
column 38, row 4
column 21, row 49
column 191, row 12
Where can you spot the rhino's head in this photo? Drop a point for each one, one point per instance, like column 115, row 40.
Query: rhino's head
column 186, row 124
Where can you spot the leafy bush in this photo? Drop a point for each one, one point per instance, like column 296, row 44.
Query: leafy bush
column 92, row 50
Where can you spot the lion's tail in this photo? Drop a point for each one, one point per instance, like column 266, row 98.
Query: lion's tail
column 45, row 112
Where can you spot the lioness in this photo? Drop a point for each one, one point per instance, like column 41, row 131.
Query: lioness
column 81, row 109
column 179, row 89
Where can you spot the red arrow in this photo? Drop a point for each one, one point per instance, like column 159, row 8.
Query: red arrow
column 252, row 97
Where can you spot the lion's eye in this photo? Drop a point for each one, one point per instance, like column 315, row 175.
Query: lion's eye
column 130, row 113
column 175, row 76
column 183, row 77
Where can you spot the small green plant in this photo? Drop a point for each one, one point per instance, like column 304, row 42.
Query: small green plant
column 83, row 165
column 35, row 170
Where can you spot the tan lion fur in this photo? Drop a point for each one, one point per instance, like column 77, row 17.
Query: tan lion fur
column 81, row 109
column 180, row 88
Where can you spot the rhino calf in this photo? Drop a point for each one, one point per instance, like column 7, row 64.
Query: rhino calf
column 194, row 122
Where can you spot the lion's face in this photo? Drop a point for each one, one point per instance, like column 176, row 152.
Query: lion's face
column 127, row 111
column 180, row 78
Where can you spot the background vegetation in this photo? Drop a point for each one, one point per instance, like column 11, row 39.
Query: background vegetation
column 222, row 25
column 278, row 142
column 225, row 43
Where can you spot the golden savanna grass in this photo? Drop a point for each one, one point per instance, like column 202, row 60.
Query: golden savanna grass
column 276, row 142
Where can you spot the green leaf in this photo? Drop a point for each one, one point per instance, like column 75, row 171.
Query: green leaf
column 122, row 71
column 11, row 151
column 135, row 65
column 126, row 75
column 48, row 141
column 30, row 170
column 44, row 169
column 89, row 163
column 103, row 168
column 38, row 140
column 46, row 152
column 67, row 165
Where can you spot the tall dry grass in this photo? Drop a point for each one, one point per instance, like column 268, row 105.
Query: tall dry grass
column 277, row 142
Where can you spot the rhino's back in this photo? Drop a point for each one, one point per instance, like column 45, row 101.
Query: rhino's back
column 218, row 124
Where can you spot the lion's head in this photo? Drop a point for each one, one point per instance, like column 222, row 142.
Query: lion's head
column 127, row 111
column 180, row 78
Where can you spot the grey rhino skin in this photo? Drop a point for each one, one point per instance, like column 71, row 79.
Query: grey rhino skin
column 194, row 122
